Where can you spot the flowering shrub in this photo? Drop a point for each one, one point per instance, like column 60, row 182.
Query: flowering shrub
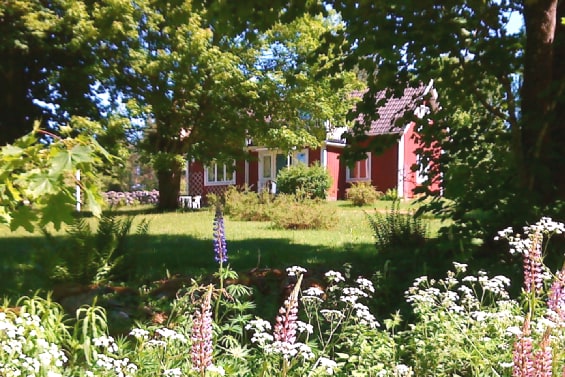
column 119, row 199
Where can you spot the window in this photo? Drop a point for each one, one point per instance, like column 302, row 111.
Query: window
column 219, row 174
column 361, row 171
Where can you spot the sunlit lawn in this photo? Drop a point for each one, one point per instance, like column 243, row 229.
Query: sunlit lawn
column 181, row 243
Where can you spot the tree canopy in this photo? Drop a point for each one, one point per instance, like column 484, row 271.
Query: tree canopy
column 501, row 121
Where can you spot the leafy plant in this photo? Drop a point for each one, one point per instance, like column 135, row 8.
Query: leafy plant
column 244, row 204
column 362, row 193
column 292, row 212
column 309, row 182
column 390, row 194
column 395, row 229
column 88, row 257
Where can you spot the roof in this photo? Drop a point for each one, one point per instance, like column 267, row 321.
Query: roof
column 396, row 107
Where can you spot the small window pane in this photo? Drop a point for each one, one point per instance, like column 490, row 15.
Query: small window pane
column 212, row 173
column 266, row 166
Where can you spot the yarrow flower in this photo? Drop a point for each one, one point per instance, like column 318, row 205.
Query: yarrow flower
column 220, row 245
column 201, row 351
column 334, row 276
column 295, row 271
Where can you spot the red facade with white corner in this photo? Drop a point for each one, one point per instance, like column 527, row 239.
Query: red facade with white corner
column 392, row 169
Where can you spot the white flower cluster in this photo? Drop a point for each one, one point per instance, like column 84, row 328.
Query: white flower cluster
column 265, row 340
column 175, row 372
column 334, row 276
column 522, row 245
column 295, row 271
column 160, row 339
column 327, row 364
column 24, row 350
column 454, row 295
column 364, row 315
column 121, row 367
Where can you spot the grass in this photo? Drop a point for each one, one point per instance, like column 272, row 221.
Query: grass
column 180, row 243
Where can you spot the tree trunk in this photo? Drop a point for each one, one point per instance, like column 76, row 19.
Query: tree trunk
column 542, row 101
column 169, row 187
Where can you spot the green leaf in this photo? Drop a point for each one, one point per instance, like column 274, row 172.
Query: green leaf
column 11, row 150
column 81, row 153
column 92, row 202
column 61, row 162
column 58, row 210
column 66, row 160
column 42, row 184
column 23, row 217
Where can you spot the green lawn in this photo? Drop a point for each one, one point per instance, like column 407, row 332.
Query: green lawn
column 180, row 243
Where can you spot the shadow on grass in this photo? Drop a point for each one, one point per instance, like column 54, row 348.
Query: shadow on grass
column 156, row 256
column 25, row 263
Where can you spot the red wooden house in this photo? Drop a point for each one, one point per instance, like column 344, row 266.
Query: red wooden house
column 391, row 169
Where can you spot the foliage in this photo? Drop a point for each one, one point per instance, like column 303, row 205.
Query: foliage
column 462, row 325
column 38, row 182
column 362, row 193
column 395, row 229
column 310, row 182
column 294, row 212
column 501, row 96
column 200, row 94
column 390, row 194
column 240, row 203
column 92, row 257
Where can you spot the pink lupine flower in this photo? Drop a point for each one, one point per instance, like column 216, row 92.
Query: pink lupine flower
column 556, row 297
column 201, row 351
column 285, row 326
column 533, row 267
column 543, row 358
column 522, row 354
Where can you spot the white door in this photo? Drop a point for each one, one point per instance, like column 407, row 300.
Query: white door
column 271, row 162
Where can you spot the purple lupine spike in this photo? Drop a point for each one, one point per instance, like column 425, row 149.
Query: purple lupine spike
column 285, row 326
column 533, row 265
column 556, row 297
column 522, row 354
column 201, row 350
column 543, row 358
column 220, row 245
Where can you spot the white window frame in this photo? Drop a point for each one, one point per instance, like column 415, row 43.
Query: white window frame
column 216, row 166
column 348, row 171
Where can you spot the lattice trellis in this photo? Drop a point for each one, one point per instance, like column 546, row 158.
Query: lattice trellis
column 196, row 183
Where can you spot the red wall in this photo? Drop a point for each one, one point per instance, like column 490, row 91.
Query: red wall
column 384, row 168
column 336, row 169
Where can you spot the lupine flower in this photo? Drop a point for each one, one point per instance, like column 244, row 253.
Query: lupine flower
column 556, row 297
column 286, row 321
column 201, row 351
column 543, row 358
column 533, row 267
column 220, row 245
column 522, row 353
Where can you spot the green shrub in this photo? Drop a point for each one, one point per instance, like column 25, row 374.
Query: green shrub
column 311, row 182
column 362, row 193
column 292, row 212
column 390, row 195
column 395, row 229
column 240, row 203
column 88, row 256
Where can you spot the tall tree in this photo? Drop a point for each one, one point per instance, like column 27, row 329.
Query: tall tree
column 502, row 92
column 46, row 68
column 201, row 93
